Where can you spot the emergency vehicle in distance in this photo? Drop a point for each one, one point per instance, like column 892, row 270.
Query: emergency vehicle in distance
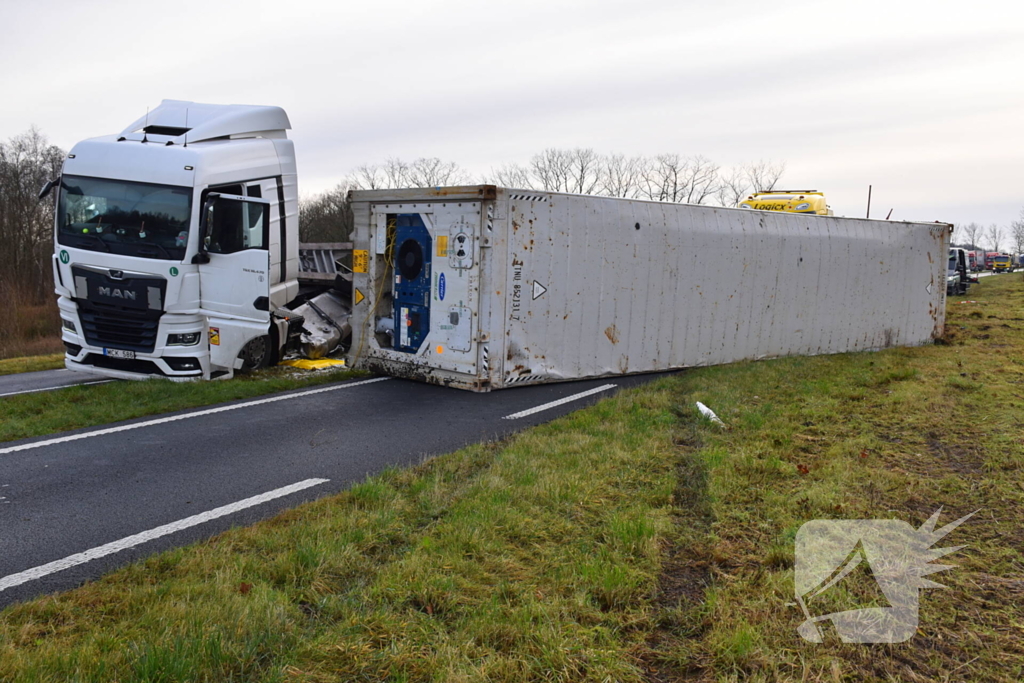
column 792, row 201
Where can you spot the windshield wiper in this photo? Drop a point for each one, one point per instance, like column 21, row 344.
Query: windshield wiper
column 97, row 238
column 143, row 247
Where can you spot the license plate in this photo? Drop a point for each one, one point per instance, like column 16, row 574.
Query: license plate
column 118, row 353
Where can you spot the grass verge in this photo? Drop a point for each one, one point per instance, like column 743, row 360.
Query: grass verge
column 12, row 366
column 75, row 407
column 629, row 541
column 508, row 561
column 896, row 434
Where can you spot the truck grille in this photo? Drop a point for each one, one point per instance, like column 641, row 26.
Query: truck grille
column 119, row 329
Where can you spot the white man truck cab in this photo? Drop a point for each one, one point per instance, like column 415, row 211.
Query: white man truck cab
column 175, row 241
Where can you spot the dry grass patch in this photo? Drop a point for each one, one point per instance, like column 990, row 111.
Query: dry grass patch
column 49, row 361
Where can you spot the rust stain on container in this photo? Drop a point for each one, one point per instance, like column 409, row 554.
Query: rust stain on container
column 612, row 334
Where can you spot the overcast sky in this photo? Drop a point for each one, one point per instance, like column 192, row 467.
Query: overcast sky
column 924, row 100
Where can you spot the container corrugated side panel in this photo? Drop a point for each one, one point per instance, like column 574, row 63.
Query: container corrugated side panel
column 701, row 285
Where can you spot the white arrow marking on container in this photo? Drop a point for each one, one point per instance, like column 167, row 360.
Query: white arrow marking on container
column 175, row 418
column 137, row 539
column 561, row 401
column 538, row 289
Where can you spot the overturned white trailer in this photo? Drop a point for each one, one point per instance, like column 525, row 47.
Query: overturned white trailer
column 484, row 288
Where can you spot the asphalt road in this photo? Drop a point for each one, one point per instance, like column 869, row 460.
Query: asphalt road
column 44, row 380
column 78, row 504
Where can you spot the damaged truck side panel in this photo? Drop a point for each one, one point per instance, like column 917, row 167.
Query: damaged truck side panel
column 484, row 288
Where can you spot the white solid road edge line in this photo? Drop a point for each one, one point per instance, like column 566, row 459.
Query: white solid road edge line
column 65, row 386
column 174, row 418
column 137, row 539
column 561, row 401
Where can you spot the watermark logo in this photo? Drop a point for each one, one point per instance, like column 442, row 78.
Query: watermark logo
column 881, row 562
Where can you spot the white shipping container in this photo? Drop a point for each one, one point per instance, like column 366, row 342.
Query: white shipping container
column 484, row 288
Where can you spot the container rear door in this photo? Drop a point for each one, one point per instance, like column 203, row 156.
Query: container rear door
column 428, row 256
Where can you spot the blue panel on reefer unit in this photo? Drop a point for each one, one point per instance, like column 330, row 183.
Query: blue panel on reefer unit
column 412, row 282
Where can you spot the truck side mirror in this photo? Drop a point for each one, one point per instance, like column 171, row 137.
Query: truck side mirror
column 47, row 187
column 205, row 226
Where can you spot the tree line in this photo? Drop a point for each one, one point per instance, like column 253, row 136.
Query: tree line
column 28, row 160
column 665, row 177
column 30, row 323
column 994, row 237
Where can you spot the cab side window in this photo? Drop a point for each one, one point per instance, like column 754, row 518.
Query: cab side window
column 234, row 225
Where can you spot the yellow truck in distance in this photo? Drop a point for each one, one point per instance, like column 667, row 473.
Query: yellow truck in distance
column 792, row 201
column 1002, row 263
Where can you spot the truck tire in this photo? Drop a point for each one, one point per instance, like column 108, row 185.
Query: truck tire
column 256, row 354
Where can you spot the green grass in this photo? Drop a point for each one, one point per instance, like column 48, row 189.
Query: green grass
column 895, row 434
column 11, row 366
column 75, row 407
column 511, row 561
column 630, row 541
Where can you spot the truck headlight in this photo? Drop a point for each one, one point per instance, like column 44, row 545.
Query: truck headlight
column 68, row 325
column 185, row 339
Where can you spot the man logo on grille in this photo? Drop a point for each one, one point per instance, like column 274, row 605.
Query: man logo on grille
column 115, row 293
column 895, row 554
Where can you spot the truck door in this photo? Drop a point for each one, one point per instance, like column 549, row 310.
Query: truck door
column 234, row 270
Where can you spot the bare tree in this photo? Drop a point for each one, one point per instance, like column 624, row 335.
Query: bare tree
column 700, row 179
column 581, row 170
column 584, row 170
column 566, row 170
column 396, row 173
column 432, row 172
column 368, row 177
column 995, row 236
column 621, row 175
column 327, row 217
column 511, row 175
column 973, row 232
column 27, row 161
column 30, row 321
column 1017, row 233
column 674, row 178
column 662, row 178
column 763, row 176
column 551, row 170
column 732, row 187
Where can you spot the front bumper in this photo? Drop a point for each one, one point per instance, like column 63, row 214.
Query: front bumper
column 170, row 362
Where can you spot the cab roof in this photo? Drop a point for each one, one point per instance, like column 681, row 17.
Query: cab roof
column 180, row 122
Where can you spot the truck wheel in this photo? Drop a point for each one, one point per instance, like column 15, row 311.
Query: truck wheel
column 255, row 354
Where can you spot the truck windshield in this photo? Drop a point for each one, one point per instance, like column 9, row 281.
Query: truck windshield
column 122, row 217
